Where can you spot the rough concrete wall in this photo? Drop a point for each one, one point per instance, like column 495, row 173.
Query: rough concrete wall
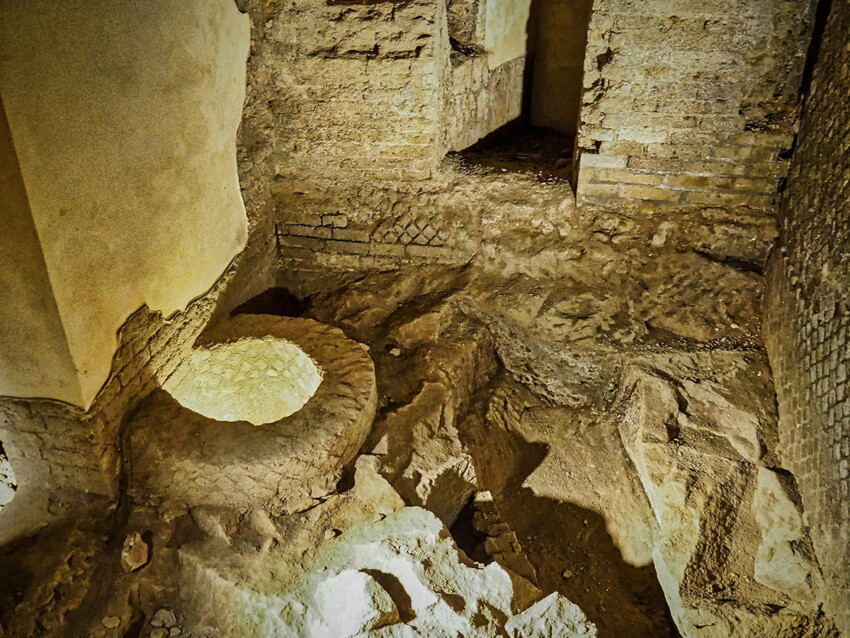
column 28, row 312
column 808, row 312
column 124, row 117
column 559, row 43
column 689, row 103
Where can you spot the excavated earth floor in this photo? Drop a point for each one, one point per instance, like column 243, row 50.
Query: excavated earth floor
column 586, row 405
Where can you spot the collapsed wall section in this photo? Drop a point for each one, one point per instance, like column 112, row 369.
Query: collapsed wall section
column 807, row 328
column 690, row 104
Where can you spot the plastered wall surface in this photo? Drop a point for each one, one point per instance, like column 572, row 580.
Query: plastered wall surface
column 506, row 30
column 28, row 312
column 124, row 118
column 808, row 312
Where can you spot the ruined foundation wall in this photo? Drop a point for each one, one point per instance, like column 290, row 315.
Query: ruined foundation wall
column 335, row 89
column 808, row 312
column 690, row 104
column 57, row 449
column 351, row 108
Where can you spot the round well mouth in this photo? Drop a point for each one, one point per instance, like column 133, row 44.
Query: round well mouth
column 258, row 380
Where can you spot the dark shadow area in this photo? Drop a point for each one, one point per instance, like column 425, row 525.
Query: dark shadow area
column 569, row 546
column 392, row 585
column 520, row 148
column 574, row 554
column 824, row 7
column 468, row 539
column 557, row 41
column 274, row 301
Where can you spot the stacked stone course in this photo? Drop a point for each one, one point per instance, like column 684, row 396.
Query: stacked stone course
column 690, row 104
column 807, row 328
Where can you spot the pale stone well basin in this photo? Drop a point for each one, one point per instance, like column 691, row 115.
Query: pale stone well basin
column 257, row 379
column 265, row 412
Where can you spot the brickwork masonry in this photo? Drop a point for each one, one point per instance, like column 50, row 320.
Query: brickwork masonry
column 54, row 446
column 807, row 321
column 689, row 104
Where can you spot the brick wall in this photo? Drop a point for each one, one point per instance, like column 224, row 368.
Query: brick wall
column 346, row 89
column 690, row 103
column 807, row 326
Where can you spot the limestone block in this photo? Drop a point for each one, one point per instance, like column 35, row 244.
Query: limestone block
column 552, row 617
column 784, row 560
column 425, row 460
column 350, row 603
column 135, row 553
column 724, row 524
column 386, row 570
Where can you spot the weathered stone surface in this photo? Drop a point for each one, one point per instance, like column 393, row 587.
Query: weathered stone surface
column 595, row 366
column 424, row 458
column 552, row 617
column 135, row 552
column 397, row 568
column 721, row 518
column 351, row 603
column 188, row 459
column 785, row 559
column 8, row 482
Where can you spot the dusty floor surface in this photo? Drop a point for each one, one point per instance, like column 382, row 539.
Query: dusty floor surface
column 517, row 433
column 586, row 405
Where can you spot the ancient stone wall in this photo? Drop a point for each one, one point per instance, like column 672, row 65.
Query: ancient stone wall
column 336, row 89
column 351, row 108
column 808, row 312
column 690, row 104
column 56, row 447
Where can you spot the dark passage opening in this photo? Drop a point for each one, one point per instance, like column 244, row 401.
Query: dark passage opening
column 557, row 40
column 273, row 301
column 542, row 139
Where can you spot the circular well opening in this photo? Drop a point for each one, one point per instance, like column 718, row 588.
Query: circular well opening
column 259, row 380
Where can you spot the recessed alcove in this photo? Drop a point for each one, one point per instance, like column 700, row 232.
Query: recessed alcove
column 542, row 139
column 557, row 40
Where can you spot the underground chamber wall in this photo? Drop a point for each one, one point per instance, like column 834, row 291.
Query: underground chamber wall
column 541, row 140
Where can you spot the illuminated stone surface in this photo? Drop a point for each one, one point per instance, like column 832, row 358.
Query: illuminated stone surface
column 256, row 380
column 185, row 457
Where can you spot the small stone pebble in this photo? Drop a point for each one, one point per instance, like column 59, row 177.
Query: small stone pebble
column 111, row 622
column 159, row 632
column 164, row 618
column 135, row 553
